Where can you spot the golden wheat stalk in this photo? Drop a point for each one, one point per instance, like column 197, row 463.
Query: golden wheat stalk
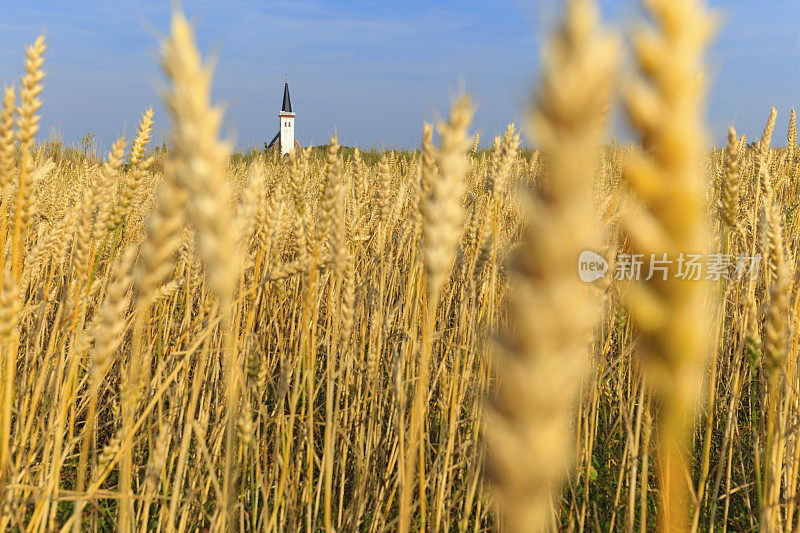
column 775, row 358
column 27, row 125
column 666, row 108
column 443, row 212
column 9, row 339
column 136, row 172
column 730, row 193
column 8, row 148
column 196, row 141
column 542, row 362
column 443, row 216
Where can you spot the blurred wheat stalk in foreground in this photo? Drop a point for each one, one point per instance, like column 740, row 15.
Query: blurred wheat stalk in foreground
column 192, row 338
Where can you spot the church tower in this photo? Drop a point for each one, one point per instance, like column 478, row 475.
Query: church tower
column 286, row 117
column 284, row 141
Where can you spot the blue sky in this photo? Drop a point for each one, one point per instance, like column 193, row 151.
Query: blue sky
column 373, row 71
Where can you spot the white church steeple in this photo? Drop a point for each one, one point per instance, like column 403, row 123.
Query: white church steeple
column 286, row 117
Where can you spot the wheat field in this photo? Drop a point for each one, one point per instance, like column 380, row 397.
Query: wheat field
column 199, row 339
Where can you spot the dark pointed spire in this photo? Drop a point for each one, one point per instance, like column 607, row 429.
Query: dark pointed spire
column 287, row 102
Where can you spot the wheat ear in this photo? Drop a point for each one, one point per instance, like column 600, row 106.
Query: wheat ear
column 730, row 192
column 102, row 195
column 443, row 213
column 196, row 140
column 28, row 125
column 763, row 161
column 324, row 229
column 670, row 313
column 443, row 216
column 775, row 359
column 136, row 172
column 8, row 148
column 542, row 361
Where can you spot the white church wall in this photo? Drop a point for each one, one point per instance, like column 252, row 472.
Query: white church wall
column 287, row 133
